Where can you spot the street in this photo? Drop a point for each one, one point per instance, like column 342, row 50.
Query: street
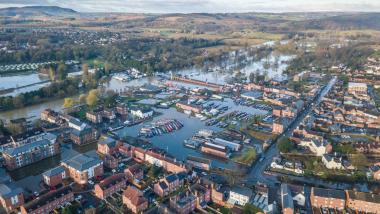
column 257, row 171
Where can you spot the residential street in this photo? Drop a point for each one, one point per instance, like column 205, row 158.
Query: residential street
column 257, row 172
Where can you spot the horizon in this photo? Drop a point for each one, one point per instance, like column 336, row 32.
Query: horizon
column 202, row 6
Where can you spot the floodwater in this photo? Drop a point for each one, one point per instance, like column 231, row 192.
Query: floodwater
column 21, row 79
column 273, row 66
column 173, row 142
column 29, row 177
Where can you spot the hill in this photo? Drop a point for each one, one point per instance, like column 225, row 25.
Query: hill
column 30, row 11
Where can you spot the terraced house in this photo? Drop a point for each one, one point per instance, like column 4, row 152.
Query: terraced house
column 48, row 202
column 110, row 185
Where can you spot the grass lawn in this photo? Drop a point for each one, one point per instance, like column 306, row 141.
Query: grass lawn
column 263, row 136
column 247, row 156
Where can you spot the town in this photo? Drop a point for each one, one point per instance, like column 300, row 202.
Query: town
column 112, row 114
column 324, row 128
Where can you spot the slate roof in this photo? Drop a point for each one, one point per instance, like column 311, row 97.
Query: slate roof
column 329, row 193
column 108, row 141
column 26, row 147
column 163, row 185
column 82, row 162
column 55, row 171
column 242, row 191
column 8, row 190
column 363, row 196
column 286, row 197
column 171, row 178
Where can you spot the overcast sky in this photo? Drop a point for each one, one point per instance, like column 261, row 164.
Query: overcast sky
column 191, row 6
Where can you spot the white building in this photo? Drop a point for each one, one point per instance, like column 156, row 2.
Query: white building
column 142, row 113
column 319, row 148
column 332, row 162
column 154, row 161
column 240, row 195
column 77, row 124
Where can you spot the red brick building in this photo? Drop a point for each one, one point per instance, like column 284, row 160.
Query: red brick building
column 277, row 128
column 189, row 107
column 85, row 136
column 202, row 192
column 160, row 160
column 362, row 202
column 134, row 172
column 328, row 198
column 11, row 196
column 28, row 153
column 110, row 161
column 81, row 168
column 183, row 203
column 107, row 146
column 54, row 177
column 110, row 185
column 216, row 150
column 122, row 109
column 94, row 117
column 197, row 162
column 48, row 202
column 169, row 184
column 134, row 200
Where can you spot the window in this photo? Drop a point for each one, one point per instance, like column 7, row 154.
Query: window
column 14, row 200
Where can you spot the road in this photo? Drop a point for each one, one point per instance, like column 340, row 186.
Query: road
column 256, row 173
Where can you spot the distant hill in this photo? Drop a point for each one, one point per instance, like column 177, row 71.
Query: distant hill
column 343, row 22
column 37, row 11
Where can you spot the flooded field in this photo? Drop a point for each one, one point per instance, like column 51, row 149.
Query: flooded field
column 21, row 79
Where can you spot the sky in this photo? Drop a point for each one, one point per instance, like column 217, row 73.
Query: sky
column 204, row 6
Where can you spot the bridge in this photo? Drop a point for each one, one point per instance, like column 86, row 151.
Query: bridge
column 9, row 90
column 212, row 86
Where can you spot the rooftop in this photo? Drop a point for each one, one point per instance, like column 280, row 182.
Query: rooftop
column 27, row 147
column 329, row 193
column 55, row 171
column 47, row 198
column 82, row 162
column 134, row 195
column 8, row 190
column 109, row 141
column 242, row 190
column 112, row 180
column 363, row 196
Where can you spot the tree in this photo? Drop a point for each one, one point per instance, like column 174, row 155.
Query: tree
column 86, row 75
column 110, row 100
column 250, row 209
column 92, row 98
column 82, row 99
column 285, row 145
column 68, row 103
column 61, row 71
column 52, row 74
column 358, row 160
column 19, row 101
column 107, row 68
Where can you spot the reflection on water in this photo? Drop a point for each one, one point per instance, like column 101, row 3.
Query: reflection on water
column 33, row 111
column 36, row 168
column 173, row 142
column 272, row 66
column 21, row 79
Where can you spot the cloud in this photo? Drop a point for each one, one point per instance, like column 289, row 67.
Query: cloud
column 191, row 6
